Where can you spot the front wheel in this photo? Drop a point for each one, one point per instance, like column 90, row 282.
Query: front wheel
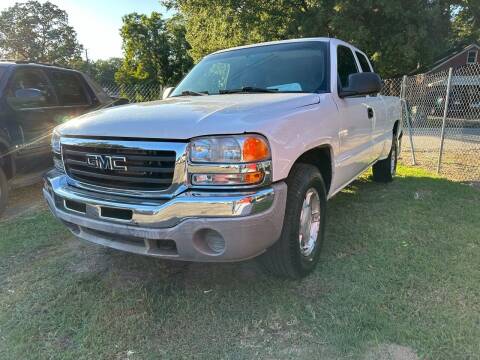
column 297, row 251
column 385, row 170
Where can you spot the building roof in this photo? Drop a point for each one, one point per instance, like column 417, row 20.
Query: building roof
column 453, row 53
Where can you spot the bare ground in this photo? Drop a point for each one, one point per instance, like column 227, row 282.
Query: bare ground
column 24, row 202
column 460, row 158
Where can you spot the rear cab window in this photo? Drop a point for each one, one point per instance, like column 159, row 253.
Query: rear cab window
column 70, row 88
column 364, row 63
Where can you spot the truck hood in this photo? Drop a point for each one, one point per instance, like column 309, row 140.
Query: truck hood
column 188, row 117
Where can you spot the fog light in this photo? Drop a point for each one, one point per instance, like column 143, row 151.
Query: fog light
column 209, row 242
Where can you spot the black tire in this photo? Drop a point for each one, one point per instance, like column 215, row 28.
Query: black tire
column 3, row 191
column 285, row 258
column 385, row 170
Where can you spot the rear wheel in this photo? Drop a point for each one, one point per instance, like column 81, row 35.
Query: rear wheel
column 297, row 251
column 385, row 170
column 3, row 191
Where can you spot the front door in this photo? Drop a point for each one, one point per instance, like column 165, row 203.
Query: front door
column 32, row 102
column 356, row 123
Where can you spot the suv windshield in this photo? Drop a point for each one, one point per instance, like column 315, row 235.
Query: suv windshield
column 288, row 67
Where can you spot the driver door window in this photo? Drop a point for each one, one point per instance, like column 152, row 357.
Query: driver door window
column 30, row 89
column 346, row 65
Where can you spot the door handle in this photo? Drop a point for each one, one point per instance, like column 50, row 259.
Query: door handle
column 370, row 112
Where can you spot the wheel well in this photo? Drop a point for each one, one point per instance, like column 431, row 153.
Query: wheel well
column 321, row 158
column 395, row 127
column 6, row 162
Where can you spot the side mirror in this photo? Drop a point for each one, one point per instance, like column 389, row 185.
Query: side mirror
column 362, row 84
column 167, row 92
column 28, row 98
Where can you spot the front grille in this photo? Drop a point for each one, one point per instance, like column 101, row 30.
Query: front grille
column 145, row 169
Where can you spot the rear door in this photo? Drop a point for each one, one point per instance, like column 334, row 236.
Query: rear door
column 356, row 121
column 74, row 96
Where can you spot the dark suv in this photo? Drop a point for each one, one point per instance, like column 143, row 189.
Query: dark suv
column 34, row 98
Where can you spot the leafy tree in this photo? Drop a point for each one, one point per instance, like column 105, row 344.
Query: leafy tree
column 38, row 32
column 466, row 22
column 217, row 24
column 399, row 36
column 156, row 51
column 102, row 71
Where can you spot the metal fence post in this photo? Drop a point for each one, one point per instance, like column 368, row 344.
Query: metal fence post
column 403, row 92
column 445, row 113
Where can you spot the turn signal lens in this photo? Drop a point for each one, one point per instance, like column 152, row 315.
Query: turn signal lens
column 255, row 148
column 228, row 179
column 253, row 178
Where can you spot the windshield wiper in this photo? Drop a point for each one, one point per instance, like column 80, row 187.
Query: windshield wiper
column 193, row 93
column 248, row 89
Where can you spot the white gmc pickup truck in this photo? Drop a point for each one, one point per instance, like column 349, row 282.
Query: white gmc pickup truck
column 237, row 161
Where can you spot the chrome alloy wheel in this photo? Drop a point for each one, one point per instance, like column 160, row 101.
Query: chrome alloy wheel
column 309, row 223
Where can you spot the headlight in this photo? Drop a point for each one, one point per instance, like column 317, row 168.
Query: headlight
column 56, row 142
column 237, row 160
column 57, row 157
column 229, row 149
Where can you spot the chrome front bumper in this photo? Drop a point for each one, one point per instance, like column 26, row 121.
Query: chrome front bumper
column 198, row 226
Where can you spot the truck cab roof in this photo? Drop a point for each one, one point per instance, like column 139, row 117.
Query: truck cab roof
column 267, row 43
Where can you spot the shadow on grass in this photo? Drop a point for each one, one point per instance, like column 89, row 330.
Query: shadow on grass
column 357, row 217
column 399, row 259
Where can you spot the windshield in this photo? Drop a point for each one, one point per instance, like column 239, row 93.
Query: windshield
column 288, row 67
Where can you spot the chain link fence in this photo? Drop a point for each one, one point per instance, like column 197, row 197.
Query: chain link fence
column 134, row 93
column 441, row 116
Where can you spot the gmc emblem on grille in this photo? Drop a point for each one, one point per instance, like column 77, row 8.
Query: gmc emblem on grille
column 107, row 162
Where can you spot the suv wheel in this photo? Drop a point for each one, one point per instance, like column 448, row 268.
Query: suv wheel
column 385, row 170
column 3, row 191
column 297, row 251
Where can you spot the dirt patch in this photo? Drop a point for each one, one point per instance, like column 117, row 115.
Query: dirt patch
column 24, row 202
column 391, row 352
column 422, row 194
column 278, row 338
column 88, row 258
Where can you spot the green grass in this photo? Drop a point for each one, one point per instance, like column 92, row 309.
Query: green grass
column 400, row 265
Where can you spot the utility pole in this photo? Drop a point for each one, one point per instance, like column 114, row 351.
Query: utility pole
column 88, row 62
